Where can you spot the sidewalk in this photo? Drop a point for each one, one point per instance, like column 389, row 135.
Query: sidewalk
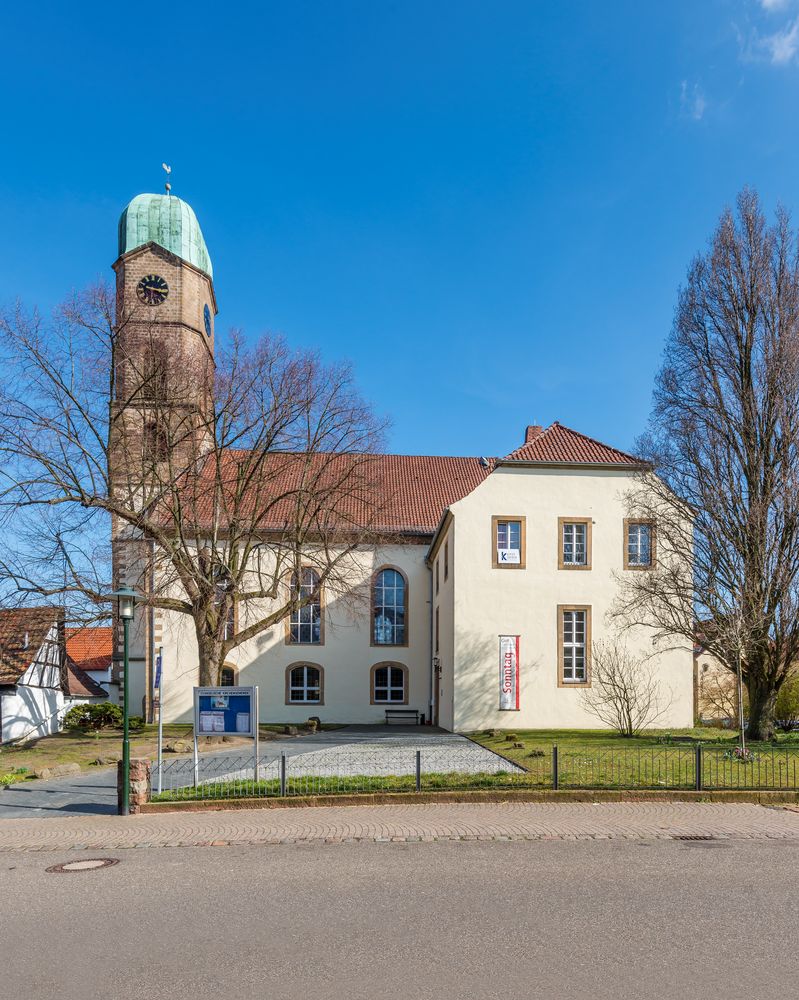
column 405, row 824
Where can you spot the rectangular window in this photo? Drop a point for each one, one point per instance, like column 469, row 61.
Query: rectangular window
column 446, row 561
column 436, row 629
column 639, row 544
column 438, row 567
column 508, row 542
column 574, row 644
column 574, row 550
column 305, row 622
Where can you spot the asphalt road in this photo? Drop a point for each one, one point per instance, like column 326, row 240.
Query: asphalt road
column 447, row 920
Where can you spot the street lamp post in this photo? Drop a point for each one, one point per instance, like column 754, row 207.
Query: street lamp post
column 126, row 603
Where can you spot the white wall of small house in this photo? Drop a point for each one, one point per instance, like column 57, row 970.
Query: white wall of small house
column 346, row 653
column 35, row 705
column 489, row 602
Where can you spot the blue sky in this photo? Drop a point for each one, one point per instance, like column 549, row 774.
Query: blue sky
column 487, row 207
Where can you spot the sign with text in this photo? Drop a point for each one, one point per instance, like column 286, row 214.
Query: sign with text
column 225, row 711
column 509, row 673
column 508, row 557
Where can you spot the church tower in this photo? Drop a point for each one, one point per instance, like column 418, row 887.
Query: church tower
column 163, row 381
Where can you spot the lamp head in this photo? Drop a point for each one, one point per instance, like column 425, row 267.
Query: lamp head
column 126, row 602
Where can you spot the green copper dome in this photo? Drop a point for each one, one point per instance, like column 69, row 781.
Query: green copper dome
column 167, row 221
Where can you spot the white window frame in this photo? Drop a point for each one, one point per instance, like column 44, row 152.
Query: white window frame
column 572, row 621
column 634, row 550
column 381, row 693
column 304, row 687
column 303, row 621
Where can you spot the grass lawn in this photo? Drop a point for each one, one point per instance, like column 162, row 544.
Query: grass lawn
column 344, row 785
column 79, row 748
column 655, row 759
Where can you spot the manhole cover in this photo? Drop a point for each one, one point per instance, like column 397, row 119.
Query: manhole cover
column 85, row 865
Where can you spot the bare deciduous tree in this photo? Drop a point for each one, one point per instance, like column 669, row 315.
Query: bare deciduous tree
column 723, row 439
column 625, row 692
column 227, row 485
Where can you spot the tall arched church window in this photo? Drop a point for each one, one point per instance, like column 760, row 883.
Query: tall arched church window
column 227, row 676
column 305, row 621
column 389, row 608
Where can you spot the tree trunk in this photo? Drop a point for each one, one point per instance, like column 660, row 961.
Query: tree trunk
column 208, row 649
column 762, row 702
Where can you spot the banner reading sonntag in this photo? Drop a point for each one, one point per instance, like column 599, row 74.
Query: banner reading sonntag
column 509, row 673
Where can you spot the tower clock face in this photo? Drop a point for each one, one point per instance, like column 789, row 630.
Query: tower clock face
column 152, row 289
column 207, row 319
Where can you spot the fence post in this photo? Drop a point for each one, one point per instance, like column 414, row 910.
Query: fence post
column 283, row 774
column 418, row 770
column 698, row 767
column 555, row 776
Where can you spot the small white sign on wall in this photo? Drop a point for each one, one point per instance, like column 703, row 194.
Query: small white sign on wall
column 509, row 673
column 508, row 556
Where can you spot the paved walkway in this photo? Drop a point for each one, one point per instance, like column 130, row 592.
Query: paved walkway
column 406, row 823
column 351, row 750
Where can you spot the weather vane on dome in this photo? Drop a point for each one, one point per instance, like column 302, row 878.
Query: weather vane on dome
column 168, row 170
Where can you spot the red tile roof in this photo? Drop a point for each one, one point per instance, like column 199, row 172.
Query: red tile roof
column 562, row 445
column 405, row 494
column 91, row 648
column 17, row 624
column 389, row 493
column 81, row 685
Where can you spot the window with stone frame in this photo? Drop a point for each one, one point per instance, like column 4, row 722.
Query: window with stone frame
column 389, row 684
column 304, row 684
column 305, row 620
column 389, row 608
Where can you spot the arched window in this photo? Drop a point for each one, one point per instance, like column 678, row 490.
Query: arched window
column 389, row 684
column 389, row 608
column 305, row 684
column 156, row 441
column 227, row 676
column 305, row 622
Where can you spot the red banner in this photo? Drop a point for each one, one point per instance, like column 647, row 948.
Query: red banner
column 509, row 673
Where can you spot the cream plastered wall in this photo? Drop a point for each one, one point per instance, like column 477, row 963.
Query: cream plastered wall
column 346, row 654
column 444, row 601
column 489, row 602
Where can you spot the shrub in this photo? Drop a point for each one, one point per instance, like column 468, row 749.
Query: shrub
column 786, row 709
column 93, row 718
column 136, row 723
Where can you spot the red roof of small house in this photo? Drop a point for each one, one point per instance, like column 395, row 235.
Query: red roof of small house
column 81, row 685
column 90, row 647
column 561, row 445
column 22, row 632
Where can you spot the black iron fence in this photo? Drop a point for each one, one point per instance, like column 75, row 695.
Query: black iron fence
column 351, row 770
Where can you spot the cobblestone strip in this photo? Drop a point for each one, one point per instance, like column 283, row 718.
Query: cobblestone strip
column 406, row 824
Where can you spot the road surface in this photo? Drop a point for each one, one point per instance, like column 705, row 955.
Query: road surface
column 470, row 920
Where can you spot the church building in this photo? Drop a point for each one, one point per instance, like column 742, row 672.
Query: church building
column 498, row 578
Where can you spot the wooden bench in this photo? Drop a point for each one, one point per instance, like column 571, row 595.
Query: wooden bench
column 402, row 715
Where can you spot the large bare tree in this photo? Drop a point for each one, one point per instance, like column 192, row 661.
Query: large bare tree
column 237, row 490
column 723, row 439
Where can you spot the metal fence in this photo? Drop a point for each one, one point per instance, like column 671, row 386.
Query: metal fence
column 350, row 770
